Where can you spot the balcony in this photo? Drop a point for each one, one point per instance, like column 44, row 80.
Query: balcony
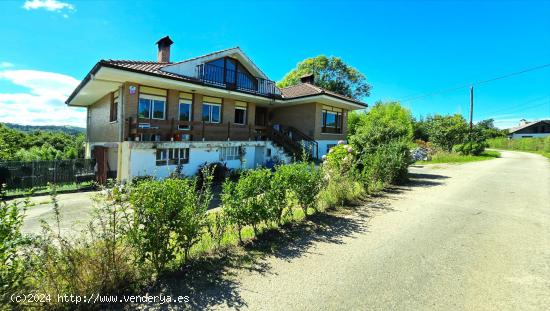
column 137, row 129
column 236, row 80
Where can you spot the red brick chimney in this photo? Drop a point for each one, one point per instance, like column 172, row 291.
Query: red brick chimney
column 309, row 78
column 164, row 44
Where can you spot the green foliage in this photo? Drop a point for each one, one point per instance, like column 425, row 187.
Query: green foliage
column 13, row 261
column 169, row 218
column 331, row 73
column 306, row 182
column 246, row 201
column 23, row 146
column 385, row 122
column 382, row 145
column 446, row 131
column 470, row 148
column 98, row 260
column 523, row 144
column 489, row 130
column 356, row 119
column 453, row 157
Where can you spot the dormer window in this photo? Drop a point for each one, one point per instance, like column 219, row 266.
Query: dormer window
column 230, row 73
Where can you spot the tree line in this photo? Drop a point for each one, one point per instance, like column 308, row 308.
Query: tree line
column 16, row 145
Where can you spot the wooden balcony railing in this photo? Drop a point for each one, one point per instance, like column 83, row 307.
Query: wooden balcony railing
column 174, row 130
column 236, row 80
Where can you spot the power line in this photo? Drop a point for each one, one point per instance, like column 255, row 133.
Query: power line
column 508, row 75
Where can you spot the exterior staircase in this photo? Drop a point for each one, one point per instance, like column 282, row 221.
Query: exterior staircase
column 294, row 142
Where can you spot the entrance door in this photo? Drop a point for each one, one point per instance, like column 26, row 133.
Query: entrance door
column 259, row 156
column 101, row 166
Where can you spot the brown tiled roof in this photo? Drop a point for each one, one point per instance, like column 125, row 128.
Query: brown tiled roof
column 154, row 68
column 142, row 66
column 308, row 89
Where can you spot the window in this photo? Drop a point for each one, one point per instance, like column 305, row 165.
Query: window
column 211, row 113
column 172, row 156
column 230, row 71
column 230, row 153
column 240, row 115
column 329, row 146
column 161, row 157
column 114, row 107
column 184, row 113
column 332, row 120
column 151, row 107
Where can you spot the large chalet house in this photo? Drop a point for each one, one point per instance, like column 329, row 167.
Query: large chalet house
column 147, row 118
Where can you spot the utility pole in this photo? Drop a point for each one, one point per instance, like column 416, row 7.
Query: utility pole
column 471, row 107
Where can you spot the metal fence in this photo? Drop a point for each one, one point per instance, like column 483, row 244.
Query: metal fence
column 23, row 175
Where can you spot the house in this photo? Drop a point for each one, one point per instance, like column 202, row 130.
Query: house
column 147, row 118
column 527, row 129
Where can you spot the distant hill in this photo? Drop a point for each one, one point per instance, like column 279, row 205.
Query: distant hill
column 71, row 130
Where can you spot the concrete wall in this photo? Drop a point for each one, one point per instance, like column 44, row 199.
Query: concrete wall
column 302, row 117
column 139, row 158
column 99, row 128
column 323, row 146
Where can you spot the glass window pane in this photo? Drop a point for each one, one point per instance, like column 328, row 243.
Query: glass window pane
column 185, row 112
column 158, row 109
column 144, row 108
column 240, row 116
column 216, row 114
column 206, row 113
column 331, row 120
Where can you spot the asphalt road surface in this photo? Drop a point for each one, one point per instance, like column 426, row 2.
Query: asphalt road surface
column 474, row 236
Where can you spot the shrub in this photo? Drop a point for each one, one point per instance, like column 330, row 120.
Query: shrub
column 470, row 148
column 339, row 190
column 306, row 183
column 218, row 171
column 169, row 218
column 280, row 185
column 13, row 261
column 99, row 260
column 446, row 131
column 245, row 201
column 382, row 145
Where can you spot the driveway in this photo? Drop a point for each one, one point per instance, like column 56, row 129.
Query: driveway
column 474, row 236
column 74, row 209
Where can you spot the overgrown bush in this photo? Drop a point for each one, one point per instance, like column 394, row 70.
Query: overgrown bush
column 246, row 201
column 446, row 131
column 169, row 218
column 470, row 148
column 306, row 182
column 99, row 260
column 14, row 261
column 382, row 145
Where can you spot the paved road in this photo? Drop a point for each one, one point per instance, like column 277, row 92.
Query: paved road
column 465, row 237
column 74, row 208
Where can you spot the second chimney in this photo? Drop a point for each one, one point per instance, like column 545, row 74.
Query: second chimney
column 164, row 44
column 309, row 78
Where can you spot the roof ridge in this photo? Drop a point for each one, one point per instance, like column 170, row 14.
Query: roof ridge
column 205, row 55
column 134, row 61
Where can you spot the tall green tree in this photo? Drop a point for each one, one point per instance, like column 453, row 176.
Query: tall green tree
column 331, row 73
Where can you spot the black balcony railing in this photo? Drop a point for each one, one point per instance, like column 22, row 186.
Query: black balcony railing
column 235, row 80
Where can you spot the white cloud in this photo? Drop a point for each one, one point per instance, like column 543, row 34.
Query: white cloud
column 44, row 103
column 5, row 65
column 49, row 5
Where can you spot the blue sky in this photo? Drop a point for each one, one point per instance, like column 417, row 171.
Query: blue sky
column 405, row 48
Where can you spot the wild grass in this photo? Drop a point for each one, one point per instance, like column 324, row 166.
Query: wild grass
column 534, row 145
column 455, row 158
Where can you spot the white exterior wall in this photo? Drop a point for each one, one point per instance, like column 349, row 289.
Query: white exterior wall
column 139, row 158
column 323, row 146
column 534, row 135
